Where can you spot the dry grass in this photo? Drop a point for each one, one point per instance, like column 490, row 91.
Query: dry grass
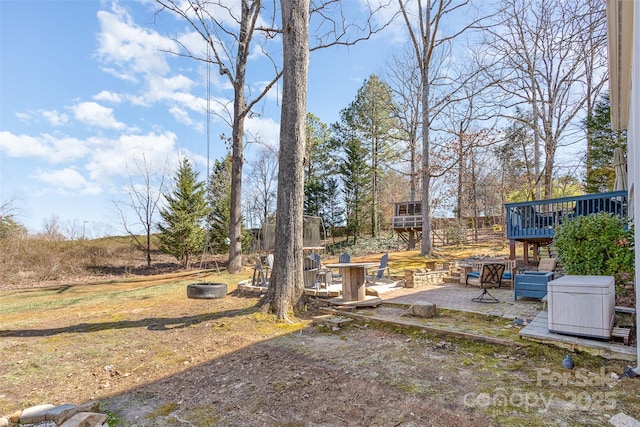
column 153, row 357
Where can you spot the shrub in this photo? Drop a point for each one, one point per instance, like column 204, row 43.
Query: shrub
column 456, row 234
column 598, row 244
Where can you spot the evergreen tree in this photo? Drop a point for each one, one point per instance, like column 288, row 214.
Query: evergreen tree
column 333, row 212
column 9, row 228
column 372, row 118
column 600, row 173
column 516, row 157
column 320, row 165
column 219, row 199
column 356, row 182
column 181, row 231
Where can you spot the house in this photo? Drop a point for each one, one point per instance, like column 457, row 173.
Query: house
column 623, row 37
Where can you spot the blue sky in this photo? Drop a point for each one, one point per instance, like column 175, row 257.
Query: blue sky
column 85, row 90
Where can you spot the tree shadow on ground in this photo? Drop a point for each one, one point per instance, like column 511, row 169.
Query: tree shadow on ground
column 152, row 324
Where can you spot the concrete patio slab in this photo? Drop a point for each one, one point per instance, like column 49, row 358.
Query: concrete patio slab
column 454, row 296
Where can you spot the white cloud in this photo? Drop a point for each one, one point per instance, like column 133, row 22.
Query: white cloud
column 25, row 117
column 127, row 48
column 108, row 96
column 95, row 114
column 55, row 118
column 175, row 89
column 396, row 30
column 274, row 94
column 182, row 116
column 68, row 181
column 266, row 130
column 47, row 147
column 110, row 157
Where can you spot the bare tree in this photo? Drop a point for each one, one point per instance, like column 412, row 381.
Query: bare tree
column 8, row 207
column 52, row 229
column 594, row 45
column 8, row 225
column 546, row 66
column 262, row 180
column 73, row 230
column 403, row 76
column 145, row 191
column 431, row 41
column 230, row 35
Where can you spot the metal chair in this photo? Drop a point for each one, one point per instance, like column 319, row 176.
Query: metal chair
column 490, row 277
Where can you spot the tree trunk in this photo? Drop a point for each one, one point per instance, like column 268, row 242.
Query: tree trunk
column 426, row 146
column 286, row 291
column 149, row 246
column 237, row 157
column 374, row 186
column 235, row 214
column 548, row 169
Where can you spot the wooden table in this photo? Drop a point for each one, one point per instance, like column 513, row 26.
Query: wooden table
column 353, row 283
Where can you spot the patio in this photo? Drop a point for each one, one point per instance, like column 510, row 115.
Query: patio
column 455, row 296
column 450, row 294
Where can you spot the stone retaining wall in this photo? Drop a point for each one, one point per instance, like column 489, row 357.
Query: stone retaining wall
column 422, row 277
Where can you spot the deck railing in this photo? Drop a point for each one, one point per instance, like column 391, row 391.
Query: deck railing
column 407, row 222
column 537, row 220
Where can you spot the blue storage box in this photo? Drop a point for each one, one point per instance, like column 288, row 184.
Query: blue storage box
column 532, row 284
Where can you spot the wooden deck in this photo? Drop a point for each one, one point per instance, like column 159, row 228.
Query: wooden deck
column 535, row 221
column 538, row 330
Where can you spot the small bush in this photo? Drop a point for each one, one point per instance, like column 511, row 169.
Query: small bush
column 456, row 234
column 598, row 244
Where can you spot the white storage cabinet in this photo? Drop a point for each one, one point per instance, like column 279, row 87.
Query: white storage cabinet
column 581, row 305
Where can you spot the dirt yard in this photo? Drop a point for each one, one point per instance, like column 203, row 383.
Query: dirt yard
column 153, row 357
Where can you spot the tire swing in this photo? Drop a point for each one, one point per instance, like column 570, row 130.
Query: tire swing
column 206, row 290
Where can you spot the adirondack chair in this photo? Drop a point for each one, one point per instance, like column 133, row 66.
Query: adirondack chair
column 268, row 266
column 374, row 274
column 259, row 276
column 343, row 258
column 324, row 276
column 316, row 257
column 309, row 272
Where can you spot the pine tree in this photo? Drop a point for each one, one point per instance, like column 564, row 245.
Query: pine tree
column 181, row 231
column 219, row 198
column 320, row 166
column 333, row 212
column 600, row 173
column 356, row 181
column 372, row 118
